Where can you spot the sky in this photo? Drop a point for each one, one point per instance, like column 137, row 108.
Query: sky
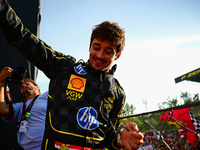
column 162, row 43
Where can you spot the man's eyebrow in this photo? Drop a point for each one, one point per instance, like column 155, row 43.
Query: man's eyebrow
column 96, row 44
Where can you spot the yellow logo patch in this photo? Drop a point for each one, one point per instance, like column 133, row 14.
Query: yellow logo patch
column 77, row 83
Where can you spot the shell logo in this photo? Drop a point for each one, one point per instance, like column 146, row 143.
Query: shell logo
column 77, row 83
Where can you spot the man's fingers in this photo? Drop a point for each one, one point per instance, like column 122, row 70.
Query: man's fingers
column 5, row 73
column 137, row 135
column 132, row 127
column 132, row 146
column 6, row 70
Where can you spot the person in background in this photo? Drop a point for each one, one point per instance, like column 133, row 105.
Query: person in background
column 31, row 119
column 85, row 100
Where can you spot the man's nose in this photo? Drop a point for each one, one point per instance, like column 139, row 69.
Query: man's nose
column 100, row 54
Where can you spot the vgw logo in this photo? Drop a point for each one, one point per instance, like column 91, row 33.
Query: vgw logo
column 87, row 118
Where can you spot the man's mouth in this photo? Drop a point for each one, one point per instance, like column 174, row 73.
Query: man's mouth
column 99, row 61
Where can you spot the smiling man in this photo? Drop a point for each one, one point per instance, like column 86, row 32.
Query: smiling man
column 102, row 54
column 85, row 99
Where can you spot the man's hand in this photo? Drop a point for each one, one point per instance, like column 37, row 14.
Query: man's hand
column 4, row 74
column 131, row 139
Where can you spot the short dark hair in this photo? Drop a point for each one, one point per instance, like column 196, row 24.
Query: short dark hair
column 109, row 31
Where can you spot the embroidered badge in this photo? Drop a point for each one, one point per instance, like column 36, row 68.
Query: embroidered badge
column 77, row 83
column 87, row 118
column 59, row 145
column 79, row 69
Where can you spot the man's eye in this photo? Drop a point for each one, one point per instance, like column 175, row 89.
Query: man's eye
column 96, row 48
column 108, row 52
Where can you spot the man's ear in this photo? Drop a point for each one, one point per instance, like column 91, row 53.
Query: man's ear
column 38, row 89
column 118, row 55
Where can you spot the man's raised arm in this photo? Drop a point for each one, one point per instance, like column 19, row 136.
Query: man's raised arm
column 4, row 74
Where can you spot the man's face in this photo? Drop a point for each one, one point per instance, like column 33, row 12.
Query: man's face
column 102, row 54
column 28, row 88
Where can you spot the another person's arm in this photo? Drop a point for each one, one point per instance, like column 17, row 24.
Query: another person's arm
column 4, row 109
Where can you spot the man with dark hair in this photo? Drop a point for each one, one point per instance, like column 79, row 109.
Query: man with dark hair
column 85, row 100
column 29, row 114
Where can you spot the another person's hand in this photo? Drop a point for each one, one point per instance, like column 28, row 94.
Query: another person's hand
column 5, row 73
column 131, row 139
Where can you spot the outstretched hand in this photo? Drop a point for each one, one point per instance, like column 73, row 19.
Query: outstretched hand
column 131, row 139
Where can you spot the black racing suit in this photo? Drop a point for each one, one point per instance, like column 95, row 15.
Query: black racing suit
column 81, row 101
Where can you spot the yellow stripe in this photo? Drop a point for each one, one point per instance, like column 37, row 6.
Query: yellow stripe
column 73, row 134
column 46, row 144
column 49, row 96
column 53, row 52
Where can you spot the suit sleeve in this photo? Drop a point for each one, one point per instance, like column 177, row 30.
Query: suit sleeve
column 111, row 139
column 31, row 47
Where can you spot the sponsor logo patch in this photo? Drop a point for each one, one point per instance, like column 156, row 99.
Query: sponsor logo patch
column 77, row 83
column 63, row 146
column 87, row 118
column 79, row 69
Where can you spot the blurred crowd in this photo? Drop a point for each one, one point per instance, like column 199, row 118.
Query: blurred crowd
column 174, row 142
